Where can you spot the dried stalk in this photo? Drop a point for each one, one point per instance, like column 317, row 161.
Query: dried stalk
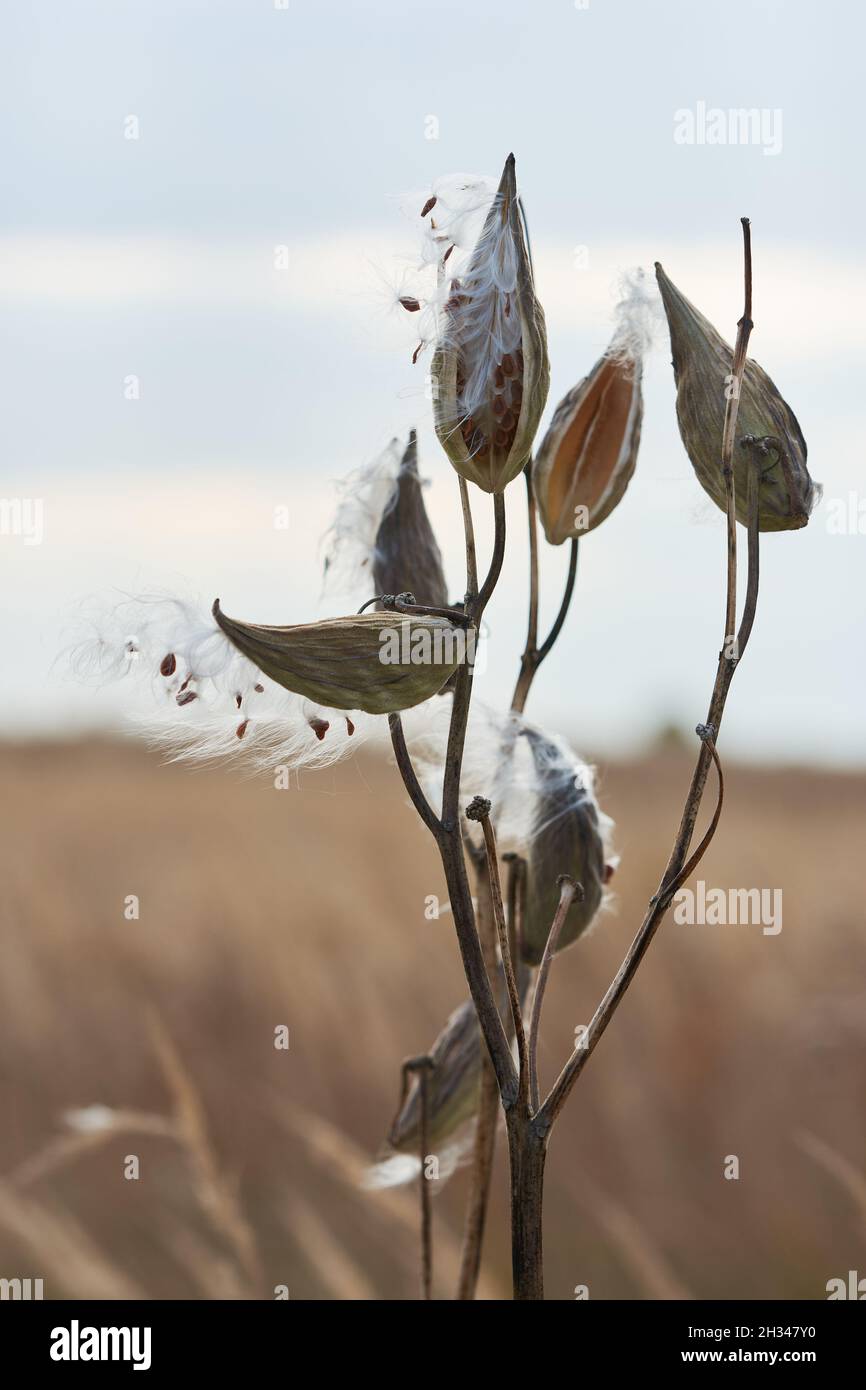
column 533, row 655
column 677, row 869
column 421, row 1067
column 568, row 891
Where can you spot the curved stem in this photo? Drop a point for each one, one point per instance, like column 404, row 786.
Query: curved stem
column 568, row 890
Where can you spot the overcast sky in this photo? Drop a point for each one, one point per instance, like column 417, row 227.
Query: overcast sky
column 300, row 127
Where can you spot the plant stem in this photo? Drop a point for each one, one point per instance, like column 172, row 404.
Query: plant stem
column 677, row 869
column 488, row 1109
column 533, row 655
column 527, row 1149
column 568, row 891
column 479, row 809
column 421, row 1067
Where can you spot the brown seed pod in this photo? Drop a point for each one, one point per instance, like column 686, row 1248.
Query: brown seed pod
column 566, row 838
column 406, row 557
column 588, row 455
column 493, row 331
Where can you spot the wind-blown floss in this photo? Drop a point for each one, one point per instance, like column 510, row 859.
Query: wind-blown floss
column 209, row 700
column 490, row 374
column 543, row 806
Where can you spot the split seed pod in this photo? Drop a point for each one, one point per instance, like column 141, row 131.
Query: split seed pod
column 490, row 370
column 703, row 364
column 452, row 1085
column 406, row 556
column 588, row 454
column 377, row 662
column 567, row 838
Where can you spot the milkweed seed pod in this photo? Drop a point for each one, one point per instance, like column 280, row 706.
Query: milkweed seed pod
column 381, row 540
column 703, row 363
column 203, row 699
column 452, row 1085
column 406, row 557
column 490, row 373
column 376, row 662
column 452, row 1096
column 588, row 455
column 567, row 836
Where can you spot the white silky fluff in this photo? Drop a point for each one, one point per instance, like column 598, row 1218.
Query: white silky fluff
column 486, row 330
column 364, row 497
column 638, row 315
column 129, row 641
column 397, row 1169
column 498, row 764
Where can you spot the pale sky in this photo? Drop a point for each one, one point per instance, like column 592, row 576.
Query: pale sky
column 260, row 127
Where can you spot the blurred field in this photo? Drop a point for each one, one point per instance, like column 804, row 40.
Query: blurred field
column 305, row 908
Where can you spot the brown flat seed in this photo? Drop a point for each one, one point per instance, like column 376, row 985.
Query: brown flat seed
column 500, row 438
column 507, row 422
column 508, row 364
column 516, row 394
column 168, row 665
column 319, row 727
column 350, row 728
column 428, row 206
column 415, row 353
column 242, row 728
column 498, row 378
column 185, row 697
column 447, row 254
column 519, row 356
column 498, row 405
column 239, row 699
column 483, row 447
column 259, row 689
column 409, row 303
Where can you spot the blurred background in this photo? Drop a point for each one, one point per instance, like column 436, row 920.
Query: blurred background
column 203, row 223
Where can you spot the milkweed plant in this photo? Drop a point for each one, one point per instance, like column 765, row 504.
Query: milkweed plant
column 526, row 849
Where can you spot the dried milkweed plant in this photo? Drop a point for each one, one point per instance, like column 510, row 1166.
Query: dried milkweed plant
column 527, row 851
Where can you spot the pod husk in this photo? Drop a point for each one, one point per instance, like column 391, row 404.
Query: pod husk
column 337, row 663
column 565, row 838
column 494, row 469
column 702, row 361
column 588, row 455
column 406, row 556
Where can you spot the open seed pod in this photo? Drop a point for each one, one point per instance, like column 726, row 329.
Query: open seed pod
column 377, row 662
column 585, row 461
column 452, row 1085
column 703, row 364
column 406, row 556
column 490, row 368
column 567, row 837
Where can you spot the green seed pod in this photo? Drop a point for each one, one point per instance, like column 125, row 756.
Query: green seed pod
column 377, row 662
column 490, row 369
column 405, row 554
column 703, row 364
column 588, row 455
column 566, row 838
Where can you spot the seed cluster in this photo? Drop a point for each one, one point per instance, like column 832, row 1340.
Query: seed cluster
column 498, row 417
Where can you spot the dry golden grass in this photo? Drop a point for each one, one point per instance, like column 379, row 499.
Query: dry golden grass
column 306, row 908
